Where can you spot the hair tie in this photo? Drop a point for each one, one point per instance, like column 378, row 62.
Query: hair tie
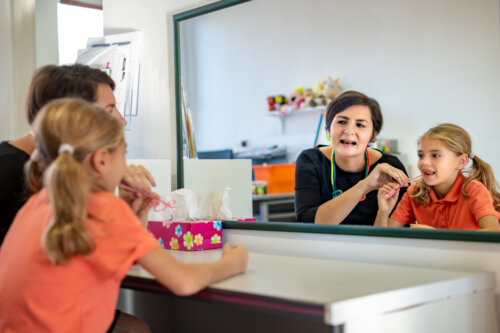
column 472, row 155
column 65, row 147
column 35, row 156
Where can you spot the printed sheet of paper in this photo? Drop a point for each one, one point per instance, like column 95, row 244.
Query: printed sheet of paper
column 117, row 55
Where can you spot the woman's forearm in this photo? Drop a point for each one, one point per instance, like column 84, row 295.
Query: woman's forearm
column 337, row 209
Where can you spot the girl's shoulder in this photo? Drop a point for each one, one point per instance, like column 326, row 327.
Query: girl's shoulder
column 106, row 205
column 475, row 187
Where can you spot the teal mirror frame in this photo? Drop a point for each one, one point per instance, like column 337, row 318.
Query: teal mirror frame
column 454, row 235
column 177, row 19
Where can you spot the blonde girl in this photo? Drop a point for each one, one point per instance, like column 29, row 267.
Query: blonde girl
column 447, row 196
column 73, row 242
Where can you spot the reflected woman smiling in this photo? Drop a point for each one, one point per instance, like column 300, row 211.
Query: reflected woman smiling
column 338, row 184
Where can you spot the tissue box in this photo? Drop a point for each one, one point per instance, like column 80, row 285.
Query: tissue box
column 187, row 236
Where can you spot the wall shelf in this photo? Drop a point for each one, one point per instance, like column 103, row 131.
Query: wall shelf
column 315, row 109
column 312, row 110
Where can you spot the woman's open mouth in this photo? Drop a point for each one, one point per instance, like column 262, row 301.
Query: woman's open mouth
column 348, row 142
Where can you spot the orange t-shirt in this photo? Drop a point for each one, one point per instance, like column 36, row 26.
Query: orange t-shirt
column 454, row 211
column 81, row 296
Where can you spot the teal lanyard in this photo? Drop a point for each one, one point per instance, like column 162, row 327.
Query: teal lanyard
column 336, row 192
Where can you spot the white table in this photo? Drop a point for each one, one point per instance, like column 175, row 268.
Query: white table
column 351, row 296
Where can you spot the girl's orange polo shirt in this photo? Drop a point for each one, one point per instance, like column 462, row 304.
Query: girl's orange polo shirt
column 454, row 211
column 80, row 296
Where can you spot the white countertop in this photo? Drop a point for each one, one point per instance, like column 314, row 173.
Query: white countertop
column 347, row 290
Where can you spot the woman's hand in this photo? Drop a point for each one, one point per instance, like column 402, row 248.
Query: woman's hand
column 387, row 205
column 237, row 256
column 383, row 174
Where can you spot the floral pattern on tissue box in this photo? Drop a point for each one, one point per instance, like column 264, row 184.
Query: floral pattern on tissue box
column 187, row 236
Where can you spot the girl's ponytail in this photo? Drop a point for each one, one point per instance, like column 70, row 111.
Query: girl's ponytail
column 68, row 188
column 483, row 172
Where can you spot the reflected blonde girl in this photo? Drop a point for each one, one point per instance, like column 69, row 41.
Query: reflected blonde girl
column 448, row 196
column 459, row 142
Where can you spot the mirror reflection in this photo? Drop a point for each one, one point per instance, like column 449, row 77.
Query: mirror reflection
column 425, row 63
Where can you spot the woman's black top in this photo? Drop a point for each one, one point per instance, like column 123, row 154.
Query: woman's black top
column 313, row 187
column 13, row 191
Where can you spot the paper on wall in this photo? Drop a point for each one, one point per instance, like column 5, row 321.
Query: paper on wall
column 117, row 55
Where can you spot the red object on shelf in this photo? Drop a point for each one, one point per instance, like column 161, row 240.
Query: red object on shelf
column 280, row 178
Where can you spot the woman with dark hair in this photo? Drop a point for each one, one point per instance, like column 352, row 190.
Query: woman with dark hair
column 338, row 184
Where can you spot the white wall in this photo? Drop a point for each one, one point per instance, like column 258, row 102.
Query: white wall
column 152, row 133
column 17, row 62
column 46, row 32
column 6, row 71
column 24, row 59
column 425, row 62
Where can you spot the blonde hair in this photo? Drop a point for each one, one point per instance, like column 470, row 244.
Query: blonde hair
column 69, row 183
column 459, row 142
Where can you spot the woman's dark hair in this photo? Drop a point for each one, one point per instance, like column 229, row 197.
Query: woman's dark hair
column 351, row 98
column 52, row 82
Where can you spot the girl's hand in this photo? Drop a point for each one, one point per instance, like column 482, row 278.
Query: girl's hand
column 138, row 177
column 421, row 226
column 141, row 205
column 385, row 173
column 387, row 205
column 237, row 255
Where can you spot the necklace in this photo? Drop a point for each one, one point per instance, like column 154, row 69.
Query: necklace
column 336, row 192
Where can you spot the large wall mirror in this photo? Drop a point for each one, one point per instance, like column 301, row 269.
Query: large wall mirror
column 426, row 63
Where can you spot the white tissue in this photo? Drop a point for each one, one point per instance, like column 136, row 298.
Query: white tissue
column 215, row 205
column 185, row 206
column 190, row 205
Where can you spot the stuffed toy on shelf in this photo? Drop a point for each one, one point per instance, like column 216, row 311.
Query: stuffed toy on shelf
column 275, row 102
column 326, row 91
column 309, row 98
column 271, row 103
column 321, row 93
column 332, row 89
column 296, row 101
